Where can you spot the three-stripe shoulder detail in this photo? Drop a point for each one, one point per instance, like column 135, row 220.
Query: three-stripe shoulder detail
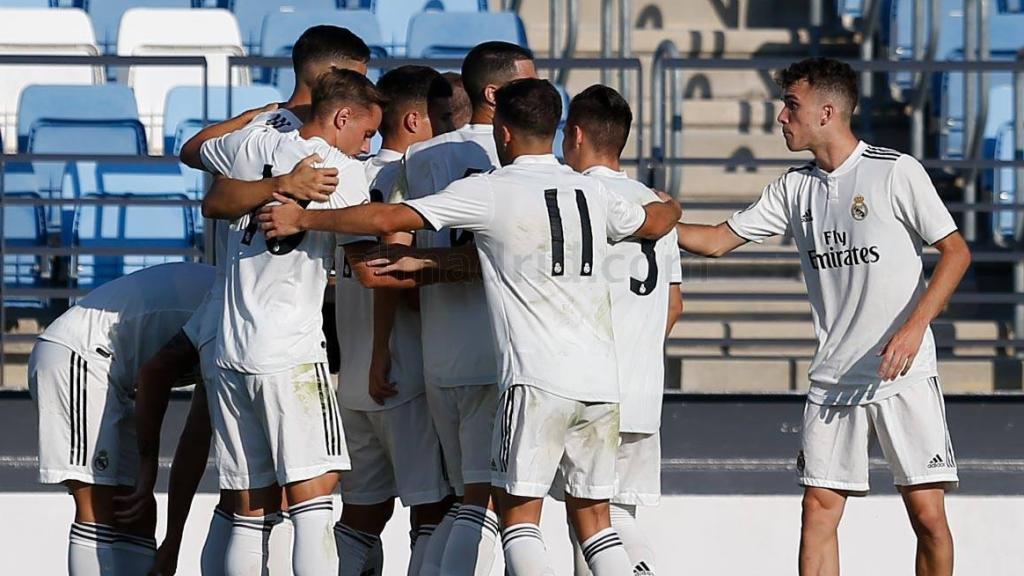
column 877, row 153
column 805, row 168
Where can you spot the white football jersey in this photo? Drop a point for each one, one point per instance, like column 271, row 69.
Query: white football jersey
column 458, row 347
column 353, row 309
column 382, row 172
column 271, row 318
column 641, row 273
column 126, row 321
column 542, row 231
column 219, row 155
column 859, row 230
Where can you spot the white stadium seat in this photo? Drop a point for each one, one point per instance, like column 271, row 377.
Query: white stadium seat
column 41, row 31
column 172, row 32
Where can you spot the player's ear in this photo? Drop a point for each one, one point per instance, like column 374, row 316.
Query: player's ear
column 489, row 91
column 577, row 135
column 506, row 134
column 342, row 116
column 411, row 121
column 827, row 112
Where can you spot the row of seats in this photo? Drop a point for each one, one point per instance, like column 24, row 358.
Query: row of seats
column 212, row 33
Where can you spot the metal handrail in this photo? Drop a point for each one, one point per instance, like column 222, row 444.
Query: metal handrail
column 666, row 51
column 921, row 91
column 571, row 8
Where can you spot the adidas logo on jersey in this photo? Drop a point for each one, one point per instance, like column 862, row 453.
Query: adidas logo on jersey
column 642, row 569
column 937, row 462
column 806, row 216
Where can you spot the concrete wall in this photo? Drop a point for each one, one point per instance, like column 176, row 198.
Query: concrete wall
column 692, row 535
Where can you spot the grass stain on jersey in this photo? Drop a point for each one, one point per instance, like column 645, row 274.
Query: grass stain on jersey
column 306, row 387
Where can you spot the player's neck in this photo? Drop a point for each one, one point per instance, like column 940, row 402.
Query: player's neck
column 482, row 115
column 396, row 143
column 831, row 154
column 593, row 160
column 300, row 103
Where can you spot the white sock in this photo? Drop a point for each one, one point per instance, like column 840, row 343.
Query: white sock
column 280, row 546
column 438, row 540
column 470, row 547
column 579, row 563
column 605, row 554
column 249, row 546
column 375, row 563
column 419, row 539
column 211, row 562
column 133, row 554
column 90, row 549
column 641, row 556
column 525, row 553
column 314, row 552
column 354, row 549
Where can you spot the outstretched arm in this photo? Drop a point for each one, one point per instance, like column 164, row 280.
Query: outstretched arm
column 374, row 219
column 661, row 217
column 189, row 154
column 397, row 266
column 230, row 199
column 710, row 241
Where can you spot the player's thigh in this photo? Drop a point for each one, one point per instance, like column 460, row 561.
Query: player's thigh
column 371, row 480
column 242, row 451
column 911, row 428
column 477, row 407
column 834, row 448
column 529, row 440
column 591, row 447
column 302, row 423
column 444, row 412
column 638, row 469
column 407, row 431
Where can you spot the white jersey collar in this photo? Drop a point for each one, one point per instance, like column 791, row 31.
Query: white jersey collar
column 847, row 164
column 536, row 159
column 479, row 128
column 388, row 155
column 604, row 171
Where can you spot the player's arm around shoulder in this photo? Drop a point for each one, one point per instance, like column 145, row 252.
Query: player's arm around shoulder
column 191, row 151
column 659, row 217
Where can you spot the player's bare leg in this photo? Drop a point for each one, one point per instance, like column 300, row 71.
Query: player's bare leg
column 357, row 535
column 926, row 507
column 819, row 531
column 470, row 547
column 525, row 553
column 94, row 519
column 256, row 513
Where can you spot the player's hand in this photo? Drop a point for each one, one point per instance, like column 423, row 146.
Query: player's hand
column 899, row 352
column 166, row 561
column 395, row 259
column 380, row 365
column 250, row 114
column 282, row 219
column 306, row 182
column 133, row 507
column 668, row 199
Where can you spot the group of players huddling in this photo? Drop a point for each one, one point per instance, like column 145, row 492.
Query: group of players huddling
column 501, row 319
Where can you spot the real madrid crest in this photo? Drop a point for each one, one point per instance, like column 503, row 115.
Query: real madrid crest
column 859, row 210
column 101, row 461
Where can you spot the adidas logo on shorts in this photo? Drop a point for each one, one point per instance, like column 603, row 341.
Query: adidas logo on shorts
column 642, row 569
column 937, row 462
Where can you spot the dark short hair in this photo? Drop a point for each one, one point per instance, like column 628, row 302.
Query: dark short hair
column 530, row 106
column 825, row 75
column 325, row 41
column 490, row 63
column 605, row 117
column 462, row 107
column 403, row 88
column 340, row 87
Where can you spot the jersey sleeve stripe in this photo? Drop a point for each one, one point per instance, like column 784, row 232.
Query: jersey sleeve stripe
column 737, row 232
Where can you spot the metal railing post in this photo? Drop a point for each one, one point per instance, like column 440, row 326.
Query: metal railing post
column 555, row 28
column 572, row 23
column 817, row 18
column 3, row 258
column 625, row 42
column 606, row 38
column 667, row 49
column 970, row 108
column 867, row 79
column 922, row 89
column 917, row 112
column 1018, row 148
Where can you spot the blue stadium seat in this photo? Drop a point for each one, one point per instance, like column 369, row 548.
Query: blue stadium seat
column 24, row 226
column 69, row 102
column 106, row 17
column 122, row 226
column 951, row 110
column 282, row 30
column 28, row 4
column 1011, row 6
column 453, row 34
column 394, row 17
column 250, row 15
column 1004, row 189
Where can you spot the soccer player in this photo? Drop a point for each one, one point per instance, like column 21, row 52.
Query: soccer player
column 391, row 439
column 274, row 410
column 644, row 278
column 82, row 375
column 458, row 350
column 541, row 233
column 859, row 215
column 454, row 110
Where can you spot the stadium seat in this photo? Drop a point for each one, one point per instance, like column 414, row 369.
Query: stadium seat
column 41, row 31
column 282, row 30
column 1011, row 6
column 212, row 33
column 113, row 102
column 139, row 227
column 394, row 17
column 454, row 34
column 24, row 226
column 251, row 14
column 1004, row 190
column 28, row 4
column 951, row 111
column 106, row 17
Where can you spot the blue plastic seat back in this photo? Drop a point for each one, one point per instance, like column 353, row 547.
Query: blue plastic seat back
column 185, row 106
column 250, row 15
column 951, row 107
column 137, row 227
column 395, row 15
column 106, row 17
column 24, row 226
column 103, row 102
column 1004, row 190
column 454, row 34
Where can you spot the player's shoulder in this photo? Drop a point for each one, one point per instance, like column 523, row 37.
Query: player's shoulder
column 431, row 146
column 280, row 120
column 882, row 155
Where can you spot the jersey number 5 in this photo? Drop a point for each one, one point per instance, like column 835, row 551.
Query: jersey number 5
column 558, row 237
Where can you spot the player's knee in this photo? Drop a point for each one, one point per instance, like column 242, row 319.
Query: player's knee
column 820, row 511
column 930, row 522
